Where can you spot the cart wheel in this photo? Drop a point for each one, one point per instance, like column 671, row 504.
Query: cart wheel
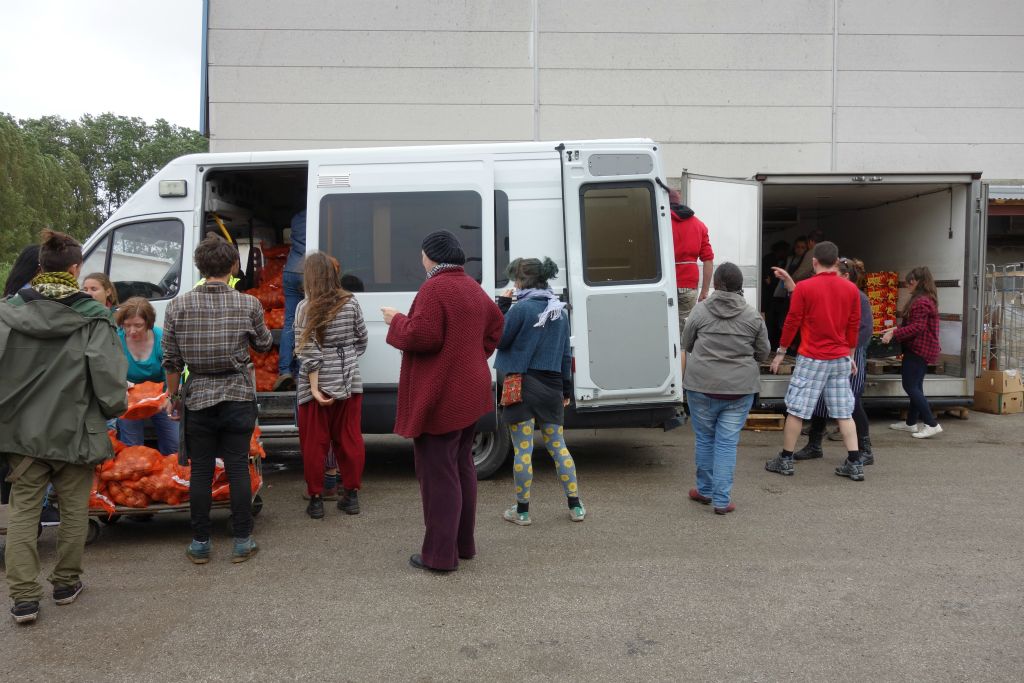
column 113, row 519
column 93, row 533
column 257, row 505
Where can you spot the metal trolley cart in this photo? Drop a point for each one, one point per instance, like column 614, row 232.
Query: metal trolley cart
column 96, row 516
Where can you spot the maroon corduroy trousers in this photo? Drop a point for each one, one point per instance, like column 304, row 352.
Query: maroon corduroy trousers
column 447, row 476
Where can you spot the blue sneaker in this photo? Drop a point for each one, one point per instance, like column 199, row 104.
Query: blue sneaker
column 244, row 549
column 198, row 551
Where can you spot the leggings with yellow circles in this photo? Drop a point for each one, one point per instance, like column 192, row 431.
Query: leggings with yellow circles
column 522, row 469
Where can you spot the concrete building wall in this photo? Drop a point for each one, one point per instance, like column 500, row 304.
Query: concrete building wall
column 728, row 87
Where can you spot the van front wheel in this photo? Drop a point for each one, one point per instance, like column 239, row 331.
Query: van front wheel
column 491, row 450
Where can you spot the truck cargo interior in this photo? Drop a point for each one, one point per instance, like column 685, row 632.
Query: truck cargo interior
column 892, row 228
column 254, row 204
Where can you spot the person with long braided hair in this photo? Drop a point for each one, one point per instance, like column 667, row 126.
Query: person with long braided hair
column 330, row 335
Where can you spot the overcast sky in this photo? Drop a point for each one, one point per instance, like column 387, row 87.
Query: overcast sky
column 73, row 57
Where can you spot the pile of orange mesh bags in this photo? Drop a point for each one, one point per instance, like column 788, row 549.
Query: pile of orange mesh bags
column 270, row 291
column 139, row 476
column 883, row 291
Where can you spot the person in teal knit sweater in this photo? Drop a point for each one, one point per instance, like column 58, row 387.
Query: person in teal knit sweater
column 535, row 343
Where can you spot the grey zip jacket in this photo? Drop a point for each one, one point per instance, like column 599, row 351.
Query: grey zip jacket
column 725, row 340
column 62, row 375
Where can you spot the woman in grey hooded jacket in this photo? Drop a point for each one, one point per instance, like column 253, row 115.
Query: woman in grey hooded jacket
column 724, row 339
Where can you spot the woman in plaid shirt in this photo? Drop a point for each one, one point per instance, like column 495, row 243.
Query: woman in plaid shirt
column 919, row 335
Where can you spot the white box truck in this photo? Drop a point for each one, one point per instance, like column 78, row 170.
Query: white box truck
column 893, row 222
column 598, row 208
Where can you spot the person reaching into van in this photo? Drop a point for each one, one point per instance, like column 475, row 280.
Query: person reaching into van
column 330, row 337
column 535, row 346
column 142, row 342
column 852, row 270
column 725, row 340
column 919, row 335
column 291, row 282
column 63, row 377
column 99, row 287
column 444, row 388
column 691, row 243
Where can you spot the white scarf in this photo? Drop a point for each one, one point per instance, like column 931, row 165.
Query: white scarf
column 553, row 310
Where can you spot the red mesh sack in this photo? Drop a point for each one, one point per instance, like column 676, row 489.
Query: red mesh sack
column 132, row 463
column 145, row 399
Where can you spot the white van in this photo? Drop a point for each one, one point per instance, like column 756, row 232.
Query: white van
column 893, row 222
column 598, row 208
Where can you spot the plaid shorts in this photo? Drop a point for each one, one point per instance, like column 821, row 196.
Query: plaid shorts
column 816, row 378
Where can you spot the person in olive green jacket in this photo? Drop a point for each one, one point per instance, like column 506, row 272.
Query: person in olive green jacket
column 64, row 375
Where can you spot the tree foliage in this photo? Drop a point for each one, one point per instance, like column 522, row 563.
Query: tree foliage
column 72, row 175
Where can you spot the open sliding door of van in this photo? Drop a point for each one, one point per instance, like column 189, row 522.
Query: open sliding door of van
column 731, row 208
column 618, row 236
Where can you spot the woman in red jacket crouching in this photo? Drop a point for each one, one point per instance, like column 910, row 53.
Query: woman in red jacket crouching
column 451, row 330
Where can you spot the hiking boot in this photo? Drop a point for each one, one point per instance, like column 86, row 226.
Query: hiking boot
column 577, row 513
column 315, row 509
column 65, row 595
column 349, row 501
column 328, row 494
column 780, row 465
column 925, row 432
column 813, row 448
column 198, row 551
column 516, row 517
column 284, row 382
column 903, row 427
column 726, row 510
column 867, row 455
column 695, row 496
column 854, row 469
column 25, row 612
column 244, row 549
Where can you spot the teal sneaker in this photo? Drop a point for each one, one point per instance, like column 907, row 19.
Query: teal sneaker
column 244, row 549
column 577, row 513
column 198, row 551
column 520, row 518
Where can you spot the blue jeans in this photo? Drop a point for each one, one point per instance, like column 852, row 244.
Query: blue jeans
column 293, row 294
column 132, row 432
column 716, row 428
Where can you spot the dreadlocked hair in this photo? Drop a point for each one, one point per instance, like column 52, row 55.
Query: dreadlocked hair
column 324, row 296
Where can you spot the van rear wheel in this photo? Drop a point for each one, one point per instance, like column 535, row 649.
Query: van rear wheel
column 491, row 450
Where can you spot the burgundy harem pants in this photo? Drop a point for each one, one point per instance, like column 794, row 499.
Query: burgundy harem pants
column 339, row 424
column 447, row 476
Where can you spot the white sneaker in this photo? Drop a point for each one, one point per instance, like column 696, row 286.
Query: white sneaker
column 903, row 427
column 925, row 431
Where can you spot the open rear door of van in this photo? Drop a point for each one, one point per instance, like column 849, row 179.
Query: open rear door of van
column 731, row 208
column 618, row 237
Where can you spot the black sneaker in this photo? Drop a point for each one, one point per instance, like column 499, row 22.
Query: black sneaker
column 854, row 469
column 65, row 595
column 50, row 516
column 349, row 502
column 25, row 612
column 867, row 459
column 809, row 452
column 315, row 509
column 780, row 465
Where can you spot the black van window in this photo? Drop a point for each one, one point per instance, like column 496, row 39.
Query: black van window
column 620, row 233
column 141, row 259
column 376, row 236
column 501, row 253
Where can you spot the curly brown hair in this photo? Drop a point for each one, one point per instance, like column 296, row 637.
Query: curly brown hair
column 324, row 296
column 215, row 257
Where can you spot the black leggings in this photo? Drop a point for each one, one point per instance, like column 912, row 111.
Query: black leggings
column 913, row 372
column 860, row 419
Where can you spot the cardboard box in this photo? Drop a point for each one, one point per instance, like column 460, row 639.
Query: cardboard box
column 999, row 404
column 999, row 382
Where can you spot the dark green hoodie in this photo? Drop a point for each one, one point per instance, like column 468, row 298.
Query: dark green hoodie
column 62, row 376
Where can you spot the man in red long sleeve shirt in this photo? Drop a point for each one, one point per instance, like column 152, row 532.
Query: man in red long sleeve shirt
column 825, row 309
column 690, row 239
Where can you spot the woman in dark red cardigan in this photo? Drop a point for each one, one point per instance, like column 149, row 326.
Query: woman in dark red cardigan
column 445, row 386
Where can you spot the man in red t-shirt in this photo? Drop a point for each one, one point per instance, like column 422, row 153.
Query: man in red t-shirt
column 825, row 310
column 690, row 238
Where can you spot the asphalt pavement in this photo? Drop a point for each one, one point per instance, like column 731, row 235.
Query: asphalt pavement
column 915, row 574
